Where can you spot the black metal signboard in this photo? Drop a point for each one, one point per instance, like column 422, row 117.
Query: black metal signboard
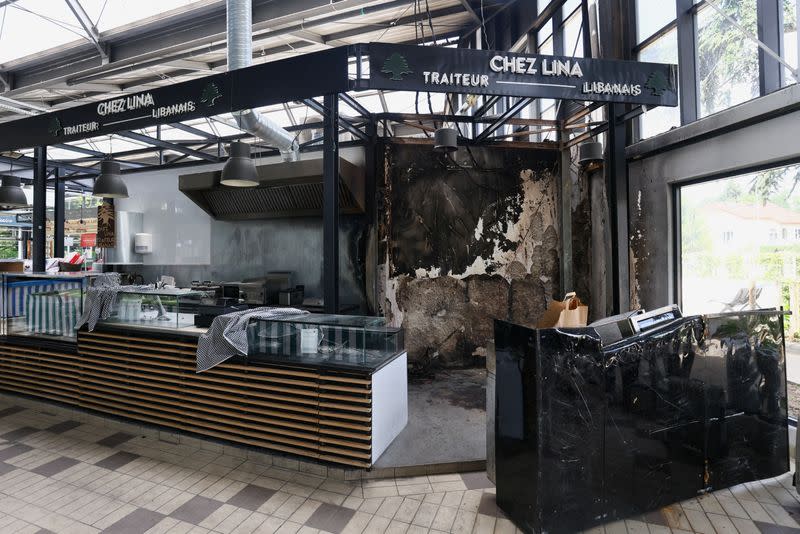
column 188, row 100
column 459, row 70
column 260, row 85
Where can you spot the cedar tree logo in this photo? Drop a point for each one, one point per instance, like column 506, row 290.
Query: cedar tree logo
column 397, row 66
column 210, row 94
column 657, row 83
column 55, row 127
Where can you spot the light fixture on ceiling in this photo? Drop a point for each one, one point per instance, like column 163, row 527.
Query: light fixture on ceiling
column 11, row 194
column 445, row 140
column 240, row 170
column 110, row 184
column 590, row 154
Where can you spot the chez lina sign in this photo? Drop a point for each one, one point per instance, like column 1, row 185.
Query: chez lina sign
column 458, row 70
column 392, row 67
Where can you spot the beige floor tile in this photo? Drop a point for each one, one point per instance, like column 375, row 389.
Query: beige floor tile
column 357, row 523
column 444, row 518
column 484, row 524
column 304, row 511
column 425, row 515
column 463, row 522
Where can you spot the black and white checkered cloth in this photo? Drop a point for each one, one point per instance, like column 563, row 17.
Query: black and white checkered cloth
column 101, row 297
column 227, row 336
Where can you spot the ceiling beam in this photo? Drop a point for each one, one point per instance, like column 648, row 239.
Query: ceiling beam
column 180, row 36
column 88, row 26
column 468, row 8
column 194, row 131
column 167, row 145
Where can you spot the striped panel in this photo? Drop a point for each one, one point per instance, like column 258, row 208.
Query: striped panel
column 317, row 414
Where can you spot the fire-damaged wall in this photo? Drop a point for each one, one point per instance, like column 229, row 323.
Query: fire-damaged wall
column 464, row 240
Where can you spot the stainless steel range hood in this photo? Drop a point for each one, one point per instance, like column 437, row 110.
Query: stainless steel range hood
column 288, row 189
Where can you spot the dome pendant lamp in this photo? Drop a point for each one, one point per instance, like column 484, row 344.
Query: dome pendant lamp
column 240, row 169
column 11, row 194
column 109, row 184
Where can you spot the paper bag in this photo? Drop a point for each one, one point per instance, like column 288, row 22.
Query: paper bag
column 569, row 313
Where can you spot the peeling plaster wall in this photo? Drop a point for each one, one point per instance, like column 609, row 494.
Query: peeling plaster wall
column 464, row 241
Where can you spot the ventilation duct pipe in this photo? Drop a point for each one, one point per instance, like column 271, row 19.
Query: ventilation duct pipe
column 240, row 55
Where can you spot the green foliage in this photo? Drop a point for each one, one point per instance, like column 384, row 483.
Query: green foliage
column 725, row 56
column 8, row 244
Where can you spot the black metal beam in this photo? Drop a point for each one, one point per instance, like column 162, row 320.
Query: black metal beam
column 28, row 162
column 770, row 32
column 59, row 209
column 79, row 150
column 169, row 146
column 687, row 71
column 512, row 110
column 330, row 210
column 39, row 208
column 617, row 191
column 344, row 123
column 194, row 131
column 355, row 104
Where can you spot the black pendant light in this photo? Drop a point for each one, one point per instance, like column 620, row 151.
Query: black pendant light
column 239, row 170
column 109, row 184
column 445, row 140
column 11, row 194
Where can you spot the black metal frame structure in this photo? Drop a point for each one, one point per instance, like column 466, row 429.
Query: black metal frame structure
column 488, row 123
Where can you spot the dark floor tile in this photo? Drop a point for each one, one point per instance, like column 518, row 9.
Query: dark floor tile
column 5, row 468
column 768, row 528
column 14, row 450
column 251, row 497
column 11, row 410
column 489, row 506
column 115, row 439
column 477, row 480
column 117, row 460
column 136, row 522
column 19, row 433
column 54, row 467
column 196, row 509
column 330, row 518
column 64, row 426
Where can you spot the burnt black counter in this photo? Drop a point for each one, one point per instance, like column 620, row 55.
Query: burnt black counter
column 587, row 433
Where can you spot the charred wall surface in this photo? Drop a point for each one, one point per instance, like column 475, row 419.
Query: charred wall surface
column 464, row 240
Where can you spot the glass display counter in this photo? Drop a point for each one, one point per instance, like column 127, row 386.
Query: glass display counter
column 341, row 341
column 43, row 305
column 167, row 308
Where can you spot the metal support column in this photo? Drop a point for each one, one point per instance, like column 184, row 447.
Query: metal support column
column 687, row 73
column 58, row 217
column 617, row 192
column 330, row 210
column 39, row 208
column 770, row 32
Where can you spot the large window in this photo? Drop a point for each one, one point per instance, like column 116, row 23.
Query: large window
column 664, row 49
column 740, row 250
column 727, row 62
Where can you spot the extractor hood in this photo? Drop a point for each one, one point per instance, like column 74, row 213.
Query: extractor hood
column 288, row 189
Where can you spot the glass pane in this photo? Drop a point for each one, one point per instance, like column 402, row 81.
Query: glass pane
column 652, row 16
column 791, row 44
column 660, row 119
column 546, row 48
column 740, row 249
column 573, row 36
column 727, row 62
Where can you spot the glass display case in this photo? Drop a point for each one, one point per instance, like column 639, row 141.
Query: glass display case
column 342, row 341
column 169, row 308
column 43, row 305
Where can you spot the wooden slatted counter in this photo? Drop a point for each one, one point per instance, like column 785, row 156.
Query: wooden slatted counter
column 326, row 414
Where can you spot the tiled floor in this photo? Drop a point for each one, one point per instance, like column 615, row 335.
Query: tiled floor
column 64, row 476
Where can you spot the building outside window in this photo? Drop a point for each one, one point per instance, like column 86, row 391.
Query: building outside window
column 754, row 270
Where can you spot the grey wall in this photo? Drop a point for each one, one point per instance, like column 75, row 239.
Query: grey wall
column 762, row 132
column 190, row 245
